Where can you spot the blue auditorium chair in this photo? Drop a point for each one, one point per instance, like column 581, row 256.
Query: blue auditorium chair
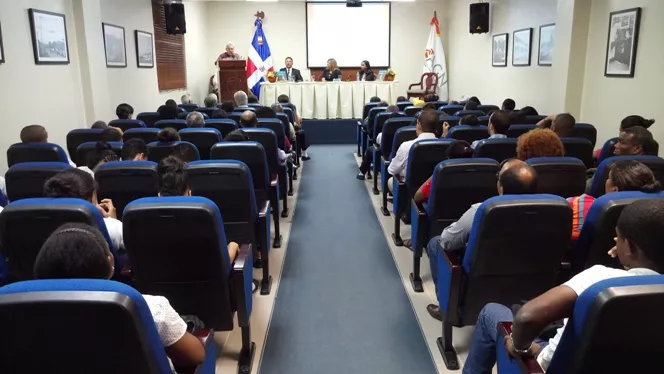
column 655, row 163
column 148, row 135
column 235, row 116
column 497, row 149
column 26, row 179
column 514, row 253
column 224, row 125
column 517, row 130
column 85, row 326
column 402, row 105
column 462, row 113
column 368, row 129
column 483, row 120
column 468, row 133
column 585, row 131
column 388, row 151
column 208, row 111
column 562, row 176
column 203, row 138
column 607, row 150
column 185, row 150
column 35, row 152
column 438, row 103
column 615, row 327
column 187, row 262
column 242, row 110
column 188, row 107
column 452, row 120
column 253, row 155
column 487, row 108
column 580, row 148
column 423, row 157
column 366, row 109
column 376, row 127
column 126, row 181
column 275, row 125
column 83, row 150
column 289, row 112
column 254, row 105
column 126, row 124
column 26, row 224
column 455, row 186
column 77, row 137
column 450, row 109
column 149, row 118
column 412, row 110
column 177, row 124
column 390, row 127
column 599, row 229
column 228, row 183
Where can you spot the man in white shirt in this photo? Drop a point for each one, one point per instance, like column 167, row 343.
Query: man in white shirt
column 426, row 128
column 499, row 123
column 640, row 248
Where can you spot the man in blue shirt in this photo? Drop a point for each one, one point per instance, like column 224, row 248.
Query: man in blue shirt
column 499, row 123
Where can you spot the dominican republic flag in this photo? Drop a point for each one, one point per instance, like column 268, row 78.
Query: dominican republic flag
column 259, row 60
column 434, row 58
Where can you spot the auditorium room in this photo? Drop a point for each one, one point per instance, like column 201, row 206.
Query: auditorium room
column 331, row 186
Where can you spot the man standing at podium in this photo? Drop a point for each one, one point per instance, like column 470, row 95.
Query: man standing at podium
column 291, row 74
column 230, row 53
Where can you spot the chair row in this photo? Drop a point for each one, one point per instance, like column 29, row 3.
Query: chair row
column 441, row 106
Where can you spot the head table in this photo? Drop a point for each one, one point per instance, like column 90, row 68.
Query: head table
column 329, row 100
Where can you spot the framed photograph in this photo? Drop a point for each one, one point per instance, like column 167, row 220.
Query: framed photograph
column 521, row 42
column 144, row 50
column 621, row 43
column 499, row 50
column 547, row 40
column 2, row 49
column 49, row 37
column 114, row 44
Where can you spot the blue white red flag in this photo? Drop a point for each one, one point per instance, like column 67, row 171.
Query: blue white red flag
column 259, row 59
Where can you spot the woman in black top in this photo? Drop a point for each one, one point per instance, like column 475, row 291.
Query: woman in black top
column 331, row 72
column 366, row 74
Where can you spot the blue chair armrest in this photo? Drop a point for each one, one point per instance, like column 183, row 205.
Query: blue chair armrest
column 398, row 189
column 264, row 212
column 419, row 221
column 513, row 365
column 450, row 282
column 209, row 365
column 241, row 279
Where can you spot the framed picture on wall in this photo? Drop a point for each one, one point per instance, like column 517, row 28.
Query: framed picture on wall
column 2, row 49
column 114, row 44
column 621, row 43
column 144, row 50
column 49, row 37
column 547, row 40
column 499, row 50
column 521, row 42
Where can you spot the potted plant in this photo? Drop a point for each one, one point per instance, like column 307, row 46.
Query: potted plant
column 271, row 76
column 389, row 76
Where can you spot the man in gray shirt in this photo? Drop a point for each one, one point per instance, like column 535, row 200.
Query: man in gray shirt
column 515, row 177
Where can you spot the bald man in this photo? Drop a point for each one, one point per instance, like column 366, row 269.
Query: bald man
column 515, row 177
column 248, row 119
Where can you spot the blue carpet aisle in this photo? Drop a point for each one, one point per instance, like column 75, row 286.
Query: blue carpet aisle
column 341, row 306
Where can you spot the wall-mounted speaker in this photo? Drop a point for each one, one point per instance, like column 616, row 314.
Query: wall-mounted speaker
column 479, row 18
column 175, row 21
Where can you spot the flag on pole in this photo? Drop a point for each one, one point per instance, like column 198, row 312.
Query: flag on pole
column 434, row 58
column 259, row 59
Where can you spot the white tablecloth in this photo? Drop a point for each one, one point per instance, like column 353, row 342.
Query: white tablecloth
column 323, row 100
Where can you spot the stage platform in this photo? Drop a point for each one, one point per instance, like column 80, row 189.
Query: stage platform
column 330, row 131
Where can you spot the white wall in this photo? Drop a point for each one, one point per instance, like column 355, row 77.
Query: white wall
column 607, row 100
column 469, row 55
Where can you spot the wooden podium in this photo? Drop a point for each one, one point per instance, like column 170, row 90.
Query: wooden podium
column 232, row 78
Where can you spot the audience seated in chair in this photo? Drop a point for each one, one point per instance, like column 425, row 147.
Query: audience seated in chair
column 635, row 140
column 458, row 149
column 195, row 119
column 539, row 143
column 629, row 122
column 169, row 110
column 470, row 105
column 252, row 99
column 248, row 119
column 401, row 99
column 639, row 247
column 210, row 100
column 219, row 113
column 112, row 134
column 499, row 123
column 134, row 150
column 75, row 183
column 562, row 124
column 515, row 177
column 185, row 99
column 101, row 154
column 474, row 99
column 508, row 105
column 367, row 158
column 241, row 100
column 236, row 136
column 77, row 250
column 430, row 98
column 227, row 106
column 124, row 111
column 468, row 120
column 529, row 111
column 99, row 125
column 36, row 134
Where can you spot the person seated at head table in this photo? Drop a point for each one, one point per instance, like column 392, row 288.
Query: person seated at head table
column 562, row 124
column 499, row 123
column 640, row 249
column 539, row 143
column 331, row 71
column 290, row 72
column 134, row 150
column 365, row 73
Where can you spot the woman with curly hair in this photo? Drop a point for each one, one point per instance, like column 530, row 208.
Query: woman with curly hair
column 539, row 143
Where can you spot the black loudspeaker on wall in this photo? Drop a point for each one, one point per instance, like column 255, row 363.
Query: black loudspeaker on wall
column 175, row 22
column 479, row 18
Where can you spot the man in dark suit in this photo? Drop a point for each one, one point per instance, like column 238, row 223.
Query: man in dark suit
column 291, row 73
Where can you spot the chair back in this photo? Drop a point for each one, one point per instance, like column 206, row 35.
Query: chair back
column 468, row 133
column 185, row 150
column 423, row 157
column 126, row 124
column 517, row 130
column 403, row 105
column 579, row 148
column 26, row 224
column 289, row 112
column 533, row 120
column 207, row 111
column 597, row 188
column 224, row 125
column 462, row 113
column 189, row 107
column 402, row 135
column 411, row 111
column 515, row 248
column 177, row 124
column 458, row 184
column 187, row 262
column 148, row 135
column 487, row 108
column 286, row 123
column 377, row 127
column 54, row 317
column 390, row 128
column 367, row 108
column 252, row 154
column 438, row 104
column 237, row 109
column 497, row 149
column 483, row 120
column 35, row 152
column 430, row 82
column 77, row 137
column 203, row 138
column 615, row 328
column 607, row 150
column 84, row 150
column 228, row 183
column 373, row 112
column 562, row 176
column 585, row 131
column 26, row 179
column 450, row 109
column 149, row 118
column 126, row 181
column 599, row 229
column 268, row 139
column 235, row 116
column 275, row 125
